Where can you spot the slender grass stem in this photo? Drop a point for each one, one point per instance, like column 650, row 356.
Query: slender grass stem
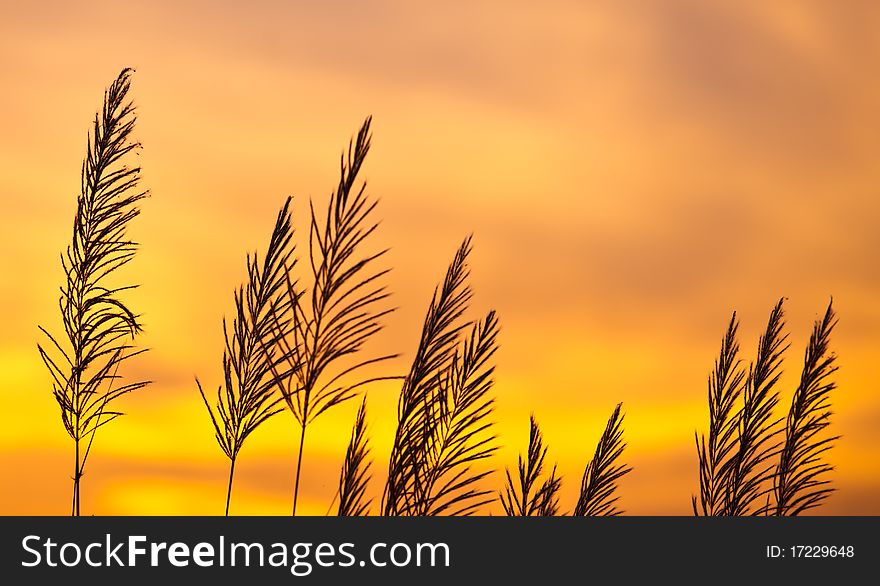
column 74, row 512
column 229, row 487
column 299, row 458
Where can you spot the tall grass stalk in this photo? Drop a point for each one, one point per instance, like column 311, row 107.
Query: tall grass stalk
column 801, row 480
column 254, row 357
column 716, row 452
column 749, row 479
column 756, row 463
column 342, row 309
column 99, row 327
column 443, row 427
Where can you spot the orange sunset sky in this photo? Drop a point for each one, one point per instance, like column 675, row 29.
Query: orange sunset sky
column 632, row 173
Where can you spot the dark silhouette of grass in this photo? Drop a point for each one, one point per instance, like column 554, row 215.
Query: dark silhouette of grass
column 99, row 327
column 343, row 308
column 601, row 474
column 307, row 342
column 457, row 433
column 737, row 473
column 443, row 409
column 433, row 356
column 525, row 497
column 801, row 480
column 747, row 483
column 716, row 452
column 254, row 357
column 548, row 496
column 355, row 474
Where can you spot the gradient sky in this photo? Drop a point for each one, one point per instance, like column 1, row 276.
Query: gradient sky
column 632, row 173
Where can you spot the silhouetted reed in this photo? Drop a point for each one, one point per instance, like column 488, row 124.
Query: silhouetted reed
column 716, row 452
column 601, row 474
column 525, row 497
column 99, row 327
column 443, row 428
column 746, row 485
column 253, row 357
column 738, row 475
column 307, row 341
column 800, row 482
column 355, row 474
column 341, row 310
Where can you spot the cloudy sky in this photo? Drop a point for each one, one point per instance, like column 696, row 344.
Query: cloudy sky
column 632, row 173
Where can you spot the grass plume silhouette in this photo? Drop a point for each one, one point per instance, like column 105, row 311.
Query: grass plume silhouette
column 355, row 474
column 716, row 452
column 343, row 308
column 801, row 480
column 443, row 427
column 601, row 474
column 99, row 327
column 738, row 475
column 525, row 497
column 457, row 430
column 746, row 484
column 254, row 357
